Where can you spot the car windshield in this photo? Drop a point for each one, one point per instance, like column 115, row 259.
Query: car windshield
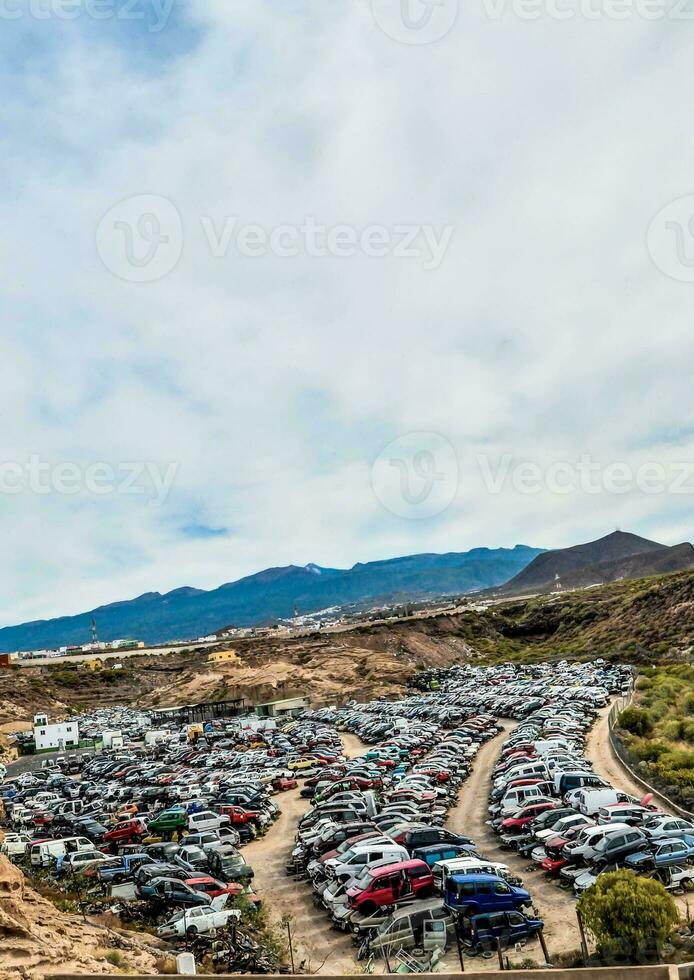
column 362, row 879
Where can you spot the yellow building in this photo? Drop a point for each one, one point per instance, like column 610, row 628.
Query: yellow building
column 222, row 656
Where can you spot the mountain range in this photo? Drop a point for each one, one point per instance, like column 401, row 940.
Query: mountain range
column 273, row 594
column 278, row 593
column 619, row 555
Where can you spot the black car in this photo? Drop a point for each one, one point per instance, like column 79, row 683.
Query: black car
column 426, row 836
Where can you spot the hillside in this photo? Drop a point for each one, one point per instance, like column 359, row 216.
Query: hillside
column 647, row 621
column 617, row 556
column 40, row 940
column 273, row 594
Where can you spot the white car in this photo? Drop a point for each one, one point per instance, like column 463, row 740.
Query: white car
column 678, row 877
column 196, row 921
column 14, row 845
column 83, row 860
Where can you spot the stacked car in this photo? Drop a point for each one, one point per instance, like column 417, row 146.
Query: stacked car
column 161, row 822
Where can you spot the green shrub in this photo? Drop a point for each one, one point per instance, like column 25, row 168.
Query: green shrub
column 114, row 957
column 638, row 721
column 672, row 729
column 626, row 911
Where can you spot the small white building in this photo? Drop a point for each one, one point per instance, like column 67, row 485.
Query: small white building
column 112, row 740
column 63, row 735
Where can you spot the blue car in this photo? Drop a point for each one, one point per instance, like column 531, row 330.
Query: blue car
column 433, row 853
column 122, row 867
column 663, row 853
column 480, row 932
column 475, row 893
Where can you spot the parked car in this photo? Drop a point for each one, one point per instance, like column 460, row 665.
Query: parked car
column 391, row 884
column 481, row 932
column 197, row 921
column 473, row 893
column 662, row 853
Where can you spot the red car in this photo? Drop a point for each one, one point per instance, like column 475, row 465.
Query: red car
column 282, row 784
column 126, row 832
column 238, row 814
column 525, row 816
column 210, row 886
column 555, row 859
column 43, row 818
column 390, row 885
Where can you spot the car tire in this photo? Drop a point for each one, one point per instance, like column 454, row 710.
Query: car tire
column 192, row 931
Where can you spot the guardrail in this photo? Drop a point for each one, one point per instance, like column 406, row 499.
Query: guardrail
column 624, row 756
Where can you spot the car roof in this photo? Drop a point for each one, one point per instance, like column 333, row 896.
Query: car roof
column 397, row 866
column 473, row 877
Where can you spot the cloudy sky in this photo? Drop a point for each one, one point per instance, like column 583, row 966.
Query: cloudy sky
column 333, row 280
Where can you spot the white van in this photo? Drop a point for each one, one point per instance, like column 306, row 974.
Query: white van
column 516, row 798
column 206, row 820
column 50, row 850
column 590, row 800
column 543, row 746
column 471, row 866
column 21, row 815
column 364, row 855
column 566, row 780
column 527, row 770
column 14, row 845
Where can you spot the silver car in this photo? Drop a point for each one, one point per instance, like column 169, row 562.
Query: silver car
column 666, row 826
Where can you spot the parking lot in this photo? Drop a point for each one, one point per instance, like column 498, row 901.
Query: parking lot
column 474, row 809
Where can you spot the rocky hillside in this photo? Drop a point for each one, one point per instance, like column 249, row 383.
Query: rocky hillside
column 38, row 940
column 649, row 620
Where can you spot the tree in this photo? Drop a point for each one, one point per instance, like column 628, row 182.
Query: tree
column 625, row 912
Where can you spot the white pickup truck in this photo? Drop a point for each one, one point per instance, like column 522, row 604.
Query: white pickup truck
column 14, row 845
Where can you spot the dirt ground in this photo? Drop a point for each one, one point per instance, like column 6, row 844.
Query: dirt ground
column 556, row 906
column 318, row 948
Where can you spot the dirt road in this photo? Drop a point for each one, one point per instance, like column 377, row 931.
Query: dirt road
column 470, row 816
column 607, row 763
column 320, row 948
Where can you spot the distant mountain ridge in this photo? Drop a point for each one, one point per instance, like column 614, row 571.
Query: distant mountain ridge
column 273, row 594
column 619, row 555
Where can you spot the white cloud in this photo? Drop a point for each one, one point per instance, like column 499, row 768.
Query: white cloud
column 546, row 332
